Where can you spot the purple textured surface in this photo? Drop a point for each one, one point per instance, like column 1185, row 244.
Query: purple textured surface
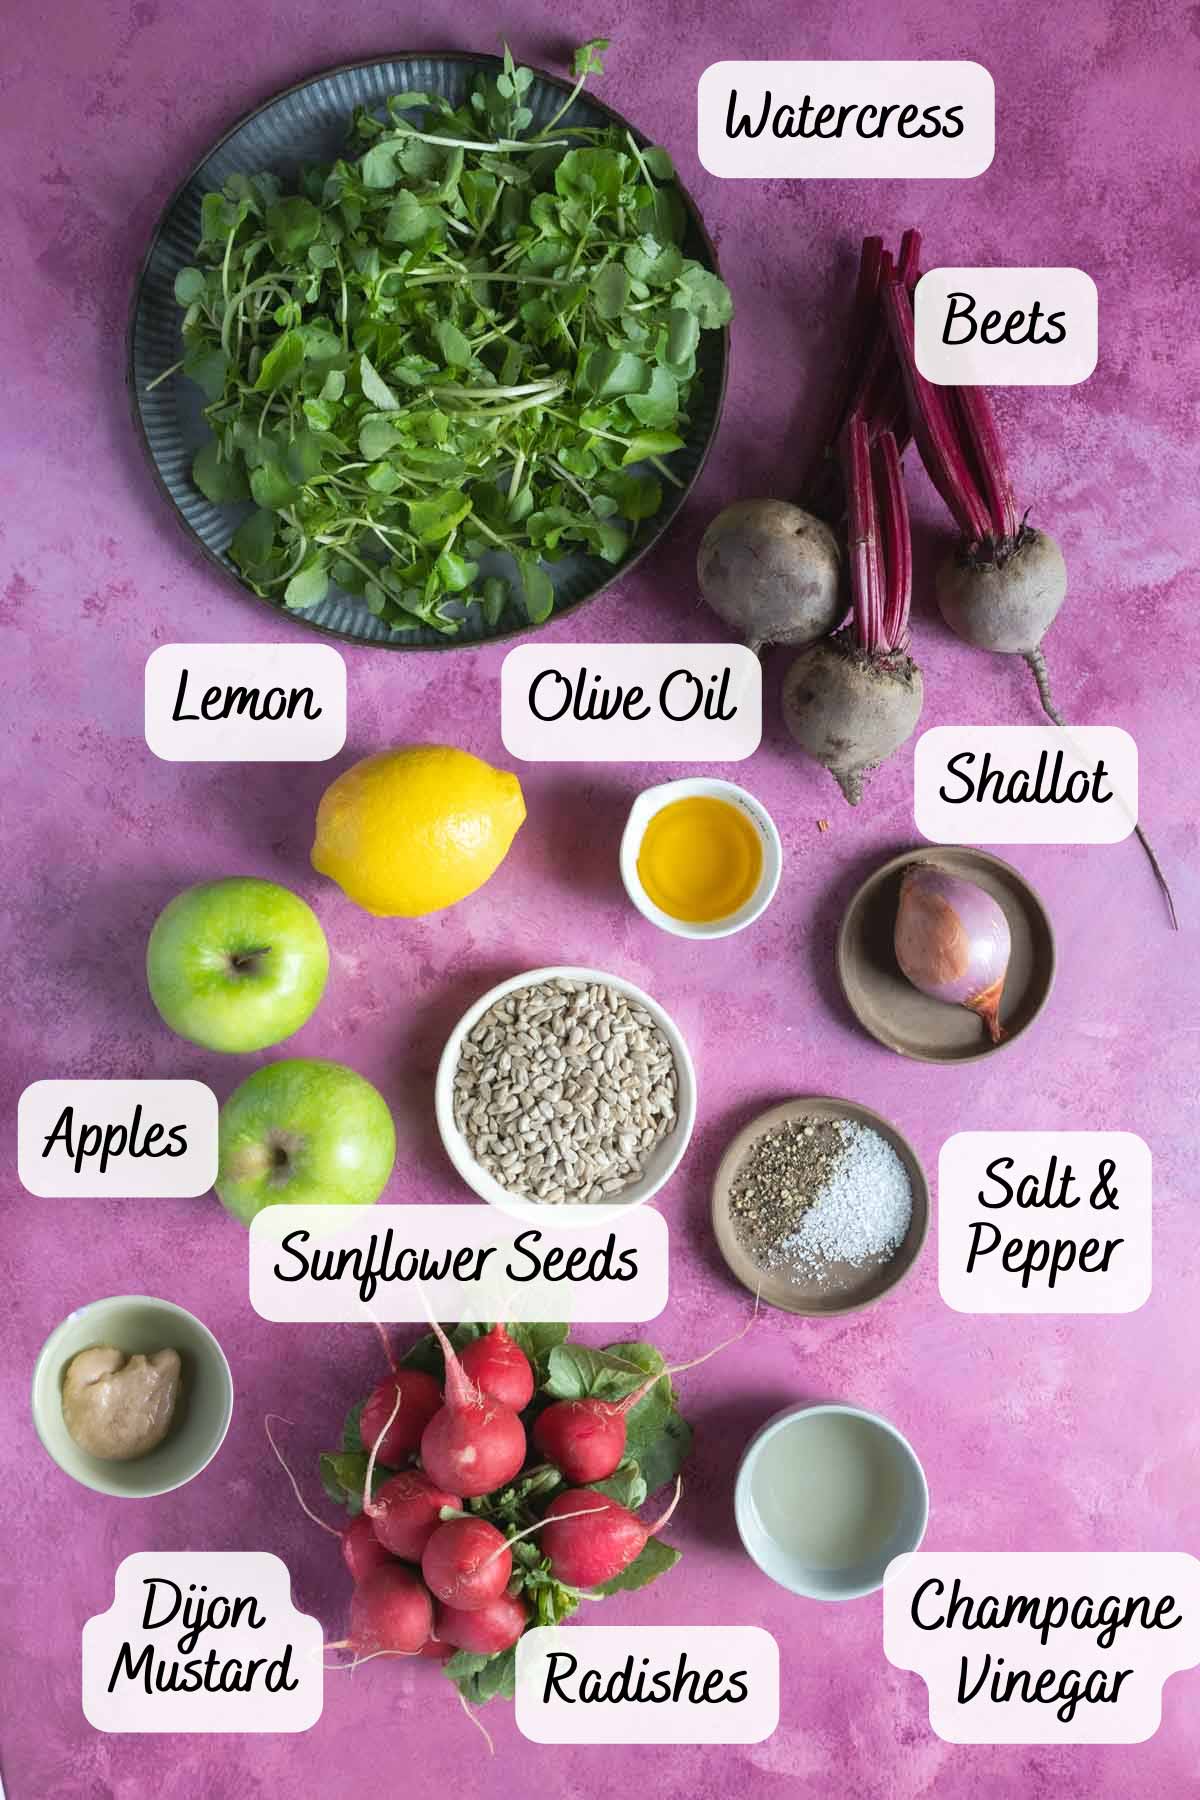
column 1048, row 1433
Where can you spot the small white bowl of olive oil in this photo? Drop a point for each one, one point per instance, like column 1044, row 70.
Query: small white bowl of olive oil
column 826, row 1496
column 700, row 858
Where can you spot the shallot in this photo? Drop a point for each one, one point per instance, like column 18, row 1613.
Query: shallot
column 953, row 942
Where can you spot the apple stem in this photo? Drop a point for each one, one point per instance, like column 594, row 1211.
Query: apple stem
column 243, row 961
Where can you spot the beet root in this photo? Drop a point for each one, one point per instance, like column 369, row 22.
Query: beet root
column 849, row 710
column 1008, row 604
column 772, row 572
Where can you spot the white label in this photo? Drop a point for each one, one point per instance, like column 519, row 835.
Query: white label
column 1043, row 1647
column 1044, row 1222
column 135, row 1139
column 1006, row 327
column 647, row 1684
column 631, row 703
column 861, row 121
column 245, row 702
column 584, row 1265
column 202, row 1640
column 1025, row 784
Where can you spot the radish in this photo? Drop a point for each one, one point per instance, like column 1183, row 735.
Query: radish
column 390, row 1613
column 362, row 1549
column 466, row 1563
column 598, row 1541
column 585, row 1439
column 500, row 1369
column 486, row 1631
column 419, row 1398
column 854, row 698
column 1001, row 588
column 406, row 1511
column 472, row 1444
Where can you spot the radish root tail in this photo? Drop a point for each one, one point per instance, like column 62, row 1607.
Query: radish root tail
column 304, row 1506
column 477, row 1723
column 1040, row 673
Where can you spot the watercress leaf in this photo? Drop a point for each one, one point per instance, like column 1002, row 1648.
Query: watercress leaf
column 455, row 572
column 436, row 517
column 638, row 497
column 334, row 385
column 378, row 167
column 190, row 286
column 407, row 220
column 611, row 541
column 645, row 444
column 656, row 1558
column 610, row 288
column 656, row 264
column 254, row 539
column 589, row 58
column 538, row 589
column 270, row 485
column 308, row 586
column 658, row 407
column 292, row 225
column 207, row 365
column 683, row 334
column 592, row 174
column 303, row 456
column 614, row 372
column 454, row 347
column 375, row 389
column 706, row 295
column 376, row 436
column 658, row 163
column 282, row 363
column 220, row 479
column 318, row 414
column 383, row 478
column 493, row 600
column 661, row 213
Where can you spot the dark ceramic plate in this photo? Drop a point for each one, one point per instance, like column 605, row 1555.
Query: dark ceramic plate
column 898, row 1014
column 309, row 124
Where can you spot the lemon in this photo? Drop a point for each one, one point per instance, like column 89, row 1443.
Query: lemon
column 410, row 831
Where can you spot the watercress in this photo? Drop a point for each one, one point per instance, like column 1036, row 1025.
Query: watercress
column 458, row 354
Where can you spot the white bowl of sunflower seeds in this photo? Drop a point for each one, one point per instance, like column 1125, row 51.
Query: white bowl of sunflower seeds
column 565, row 1087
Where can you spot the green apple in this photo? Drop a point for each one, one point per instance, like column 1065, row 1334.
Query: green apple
column 303, row 1133
column 236, row 965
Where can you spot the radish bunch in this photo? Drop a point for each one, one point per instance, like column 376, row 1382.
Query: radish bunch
column 494, row 1483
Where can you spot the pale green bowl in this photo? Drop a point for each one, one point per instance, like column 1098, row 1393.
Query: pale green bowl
column 136, row 1324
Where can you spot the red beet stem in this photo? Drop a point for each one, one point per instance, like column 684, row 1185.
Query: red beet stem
column 860, row 334
column 932, row 423
column 979, row 432
column 897, row 545
column 862, row 530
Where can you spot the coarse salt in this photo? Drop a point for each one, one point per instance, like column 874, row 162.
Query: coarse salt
column 860, row 1213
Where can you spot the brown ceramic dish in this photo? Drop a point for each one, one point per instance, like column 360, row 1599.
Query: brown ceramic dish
column 887, row 1005
column 846, row 1288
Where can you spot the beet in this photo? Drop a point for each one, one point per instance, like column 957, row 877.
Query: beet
column 772, row 572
